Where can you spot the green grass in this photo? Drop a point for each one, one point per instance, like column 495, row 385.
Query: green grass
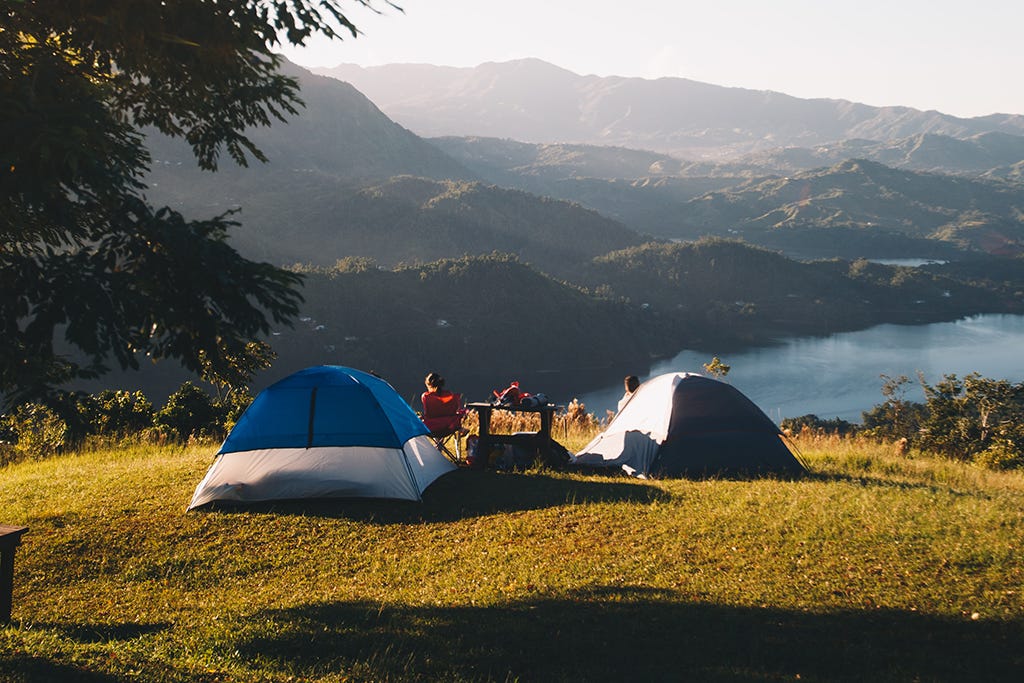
column 874, row 567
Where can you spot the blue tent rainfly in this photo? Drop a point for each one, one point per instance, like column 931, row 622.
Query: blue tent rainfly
column 326, row 431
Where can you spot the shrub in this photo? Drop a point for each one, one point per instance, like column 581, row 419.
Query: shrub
column 576, row 421
column 1001, row 455
column 796, row 425
column 116, row 413
column 972, row 419
column 893, row 420
column 189, row 412
column 34, row 432
column 968, row 415
column 896, row 419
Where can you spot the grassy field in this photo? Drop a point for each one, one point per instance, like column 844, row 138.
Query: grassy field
column 873, row 567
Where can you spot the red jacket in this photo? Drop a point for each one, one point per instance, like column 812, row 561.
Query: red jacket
column 442, row 410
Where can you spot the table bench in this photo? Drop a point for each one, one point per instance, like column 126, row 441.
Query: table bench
column 540, row 440
column 10, row 537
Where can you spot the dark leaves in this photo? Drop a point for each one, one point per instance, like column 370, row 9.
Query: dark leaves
column 83, row 256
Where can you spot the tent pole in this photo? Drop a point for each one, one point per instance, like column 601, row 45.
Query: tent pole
column 412, row 477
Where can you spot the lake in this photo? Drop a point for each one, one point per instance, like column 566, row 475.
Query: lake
column 910, row 262
column 838, row 376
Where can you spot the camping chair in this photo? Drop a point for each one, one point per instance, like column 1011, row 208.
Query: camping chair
column 442, row 414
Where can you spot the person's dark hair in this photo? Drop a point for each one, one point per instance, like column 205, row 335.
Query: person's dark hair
column 632, row 382
column 434, row 381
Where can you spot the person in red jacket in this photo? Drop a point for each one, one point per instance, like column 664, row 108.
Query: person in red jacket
column 442, row 410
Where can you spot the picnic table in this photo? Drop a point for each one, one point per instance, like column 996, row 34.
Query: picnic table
column 540, row 440
column 10, row 537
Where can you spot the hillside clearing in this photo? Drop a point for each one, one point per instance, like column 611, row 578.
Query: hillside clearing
column 872, row 567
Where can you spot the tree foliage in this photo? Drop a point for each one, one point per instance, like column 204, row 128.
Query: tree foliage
column 83, row 255
column 716, row 368
column 817, row 425
column 896, row 417
column 238, row 370
column 116, row 414
column 31, row 431
column 970, row 418
column 969, row 415
column 189, row 412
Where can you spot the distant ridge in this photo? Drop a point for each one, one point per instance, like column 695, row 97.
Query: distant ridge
column 872, row 201
column 533, row 101
column 339, row 133
column 975, row 154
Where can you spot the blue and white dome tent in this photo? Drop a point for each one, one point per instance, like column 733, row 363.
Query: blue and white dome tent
column 324, row 432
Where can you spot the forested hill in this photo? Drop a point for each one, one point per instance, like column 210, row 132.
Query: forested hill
column 725, row 291
column 509, row 161
column 338, row 184
column 315, row 218
column 490, row 319
column 414, row 220
column 481, row 321
column 412, row 262
column 851, row 208
column 976, row 154
column 875, row 201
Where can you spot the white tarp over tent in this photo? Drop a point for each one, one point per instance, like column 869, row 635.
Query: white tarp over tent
column 684, row 423
column 635, row 434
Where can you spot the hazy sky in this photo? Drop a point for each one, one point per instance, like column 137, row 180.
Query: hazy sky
column 961, row 57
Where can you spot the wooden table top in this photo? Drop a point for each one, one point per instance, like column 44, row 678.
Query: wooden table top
column 523, row 409
column 11, row 534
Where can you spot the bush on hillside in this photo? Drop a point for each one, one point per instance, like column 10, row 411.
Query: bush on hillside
column 1001, row 455
column 189, row 412
column 577, row 423
column 972, row 419
column 893, row 421
column 897, row 418
column 31, row 431
column 38, row 431
column 813, row 423
column 116, row 414
column 971, row 415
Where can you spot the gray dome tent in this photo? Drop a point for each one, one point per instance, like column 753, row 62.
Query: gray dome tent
column 686, row 424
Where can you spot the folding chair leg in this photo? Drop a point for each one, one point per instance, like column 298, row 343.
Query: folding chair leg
column 440, row 443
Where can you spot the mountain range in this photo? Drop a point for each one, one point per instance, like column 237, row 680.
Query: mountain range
column 454, row 250
column 991, row 154
column 876, row 201
column 869, row 208
column 532, row 101
column 344, row 180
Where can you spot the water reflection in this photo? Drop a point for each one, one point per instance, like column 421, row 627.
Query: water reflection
column 838, row 376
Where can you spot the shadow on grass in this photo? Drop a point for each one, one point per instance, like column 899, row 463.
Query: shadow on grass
column 25, row 669
column 464, row 494
column 696, row 475
column 884, row 483
column 605, row 634
column 104, row 667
